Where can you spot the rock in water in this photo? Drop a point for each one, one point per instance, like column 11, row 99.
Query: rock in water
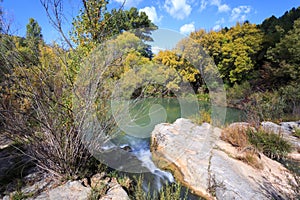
column 209, row 166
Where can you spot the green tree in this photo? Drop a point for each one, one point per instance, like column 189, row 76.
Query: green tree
column 235, row 51
column 239, row 54
column 275, row 28
column 95, row 24
column 285, row 57
column 88, row 26
column 33, row 40
column 186, row 72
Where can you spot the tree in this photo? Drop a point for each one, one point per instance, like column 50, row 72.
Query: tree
column 95, row 24
column 235, row 51
column 275, row 28
column 33, row 39
column 285, row 57
column 186, row 72
column 88, row 27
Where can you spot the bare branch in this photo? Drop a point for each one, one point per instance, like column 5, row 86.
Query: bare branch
column 54, row 10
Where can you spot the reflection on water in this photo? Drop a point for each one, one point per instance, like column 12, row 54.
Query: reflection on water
column 174, row 110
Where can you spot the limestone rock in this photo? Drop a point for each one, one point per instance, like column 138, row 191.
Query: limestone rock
column 290, row 126
column 98, row 181
column 209, row 166
column 115, row 192
column 70, row 190
column 285, row 129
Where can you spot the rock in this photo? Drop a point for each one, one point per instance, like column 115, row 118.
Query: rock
column 126, row 148
column 209, row 166
column 85, row 182
column 70, row 190
column 270, row 126
column 285, row 129
column 98, row 180
column 115, row 192
column 290, row 126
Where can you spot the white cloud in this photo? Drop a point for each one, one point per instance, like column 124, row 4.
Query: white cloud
column 221, row 21
column 203, row 5
column 217, row 27
column 240, row 13
column 221, row 7
column 178, row 9
column 151, row 12
column 187, row 28
column 156, row 49
column 129, row 3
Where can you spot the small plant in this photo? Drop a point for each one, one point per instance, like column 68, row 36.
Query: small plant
column 213, row 185
column 125, row 181
column 203, row 116
column 97, row 192
column 138, row 192
column 19, row 194
column 173, row 191
column 269, row 143
column 297, row 132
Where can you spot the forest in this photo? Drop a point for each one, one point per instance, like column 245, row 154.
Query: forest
column 259, row 65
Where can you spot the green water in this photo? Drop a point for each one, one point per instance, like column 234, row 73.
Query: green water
column 138, row 118
column 170, row 109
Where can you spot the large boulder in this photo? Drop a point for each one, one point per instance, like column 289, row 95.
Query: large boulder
column 211, row 167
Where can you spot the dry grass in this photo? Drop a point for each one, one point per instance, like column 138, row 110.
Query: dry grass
column 236, row 135
column 251, row 159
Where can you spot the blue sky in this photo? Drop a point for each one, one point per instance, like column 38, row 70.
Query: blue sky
column 183, row 16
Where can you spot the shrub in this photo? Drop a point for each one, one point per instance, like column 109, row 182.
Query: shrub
column 169, row 191
column 297, row 133
column 37, row 109
column 264, row 106
column 203, row 116
column 236, row 135
column 238, row 93
column 291, row 96
column 269, row 143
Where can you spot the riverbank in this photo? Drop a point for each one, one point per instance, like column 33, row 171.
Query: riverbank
column 214, row 168
column 200, row 157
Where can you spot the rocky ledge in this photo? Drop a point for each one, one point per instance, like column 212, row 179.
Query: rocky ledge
column 99, row 187
column 213, row 169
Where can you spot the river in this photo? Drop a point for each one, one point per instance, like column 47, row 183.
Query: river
column 141, row 122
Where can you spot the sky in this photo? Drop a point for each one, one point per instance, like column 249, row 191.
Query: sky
column 183, row 16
